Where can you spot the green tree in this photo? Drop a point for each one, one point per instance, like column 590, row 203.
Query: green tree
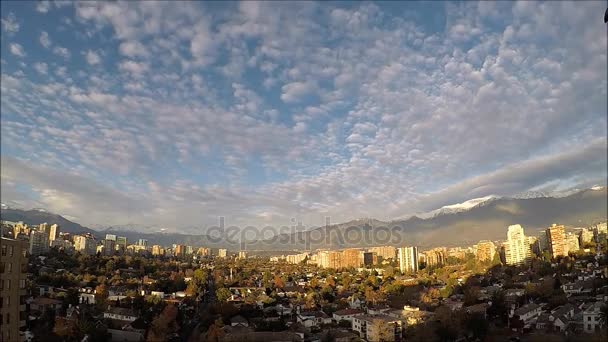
column 223, row 294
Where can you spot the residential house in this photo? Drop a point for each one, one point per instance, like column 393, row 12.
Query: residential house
column 527, row 312
column 346, row 315
column 313, row 318
column 591, row 317
column 121, row 314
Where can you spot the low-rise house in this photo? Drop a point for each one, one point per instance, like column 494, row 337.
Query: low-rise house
column 239, row 320
column 346, row 315
column 121, row 314
column 480, row 309
column 527, row 312
column 42, row 304
column 591, row 317
column 378, row 327
column 313, row 318
column 413, row 315
column 117, row 335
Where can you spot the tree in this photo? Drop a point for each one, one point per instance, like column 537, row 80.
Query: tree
column 215, row 332
column 223, row 294
column 101, row 293
column 164, row 325
column 477, row 324
column 278, row 282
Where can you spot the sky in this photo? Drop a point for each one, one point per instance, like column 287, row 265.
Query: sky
column 153, row 114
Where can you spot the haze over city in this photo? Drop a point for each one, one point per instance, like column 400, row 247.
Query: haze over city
column 153, row 114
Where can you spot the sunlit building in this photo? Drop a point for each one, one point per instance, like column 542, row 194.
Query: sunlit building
column 85, row 245
column 556, row 240
column 516, row 248
column 408, row 259
column 384, row 252
column 485, row 250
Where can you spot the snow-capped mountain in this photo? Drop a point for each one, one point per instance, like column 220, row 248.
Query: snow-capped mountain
column 460, row 207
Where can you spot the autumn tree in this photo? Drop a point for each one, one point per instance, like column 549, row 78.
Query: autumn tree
column 164, row 325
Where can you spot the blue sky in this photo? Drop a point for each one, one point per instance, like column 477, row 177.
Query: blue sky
column 172, row 114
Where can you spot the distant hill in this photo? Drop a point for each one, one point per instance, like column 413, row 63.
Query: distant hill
column 37, row 216
column 488, row 219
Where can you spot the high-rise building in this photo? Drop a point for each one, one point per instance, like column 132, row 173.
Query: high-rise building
column 53, row 232
column 329, row 259
column 385, row 252
column 43, row 227
column 350, row 258
column 222, row 253
column 485, row 250
column 296, row 258
column 585, row 237
column 189, row 250
column 408, row 259
column 202, row 251
column 572, row 243
column 434, row 257
column 109, row 247
column 556, row 240
column 121, row 244
column 110, row 237
column 180, row 251
column 517, row 247
column 370, row 258
column 13, row 266
column 157, row 250
column 85, row 244
column 242, row 255
column 39, row 242
column 142, row 242
column 600, row 233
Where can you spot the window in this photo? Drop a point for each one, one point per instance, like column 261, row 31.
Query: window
column 4, row 250
column 7, row 284
column 24, row 252
column 21, row 283
column 9, row 269
column 1, row 302
column 2, row 266
column 588, row 318
column 11, row 250
column 7, row 300
column 22, row 300
column 8, row 318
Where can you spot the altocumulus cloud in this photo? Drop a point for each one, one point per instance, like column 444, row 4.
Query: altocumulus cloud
column 260, row 112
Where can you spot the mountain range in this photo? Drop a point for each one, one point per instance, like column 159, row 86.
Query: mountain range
column 453, row 225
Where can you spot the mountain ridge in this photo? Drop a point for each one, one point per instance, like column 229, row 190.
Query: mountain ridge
column 482, row 218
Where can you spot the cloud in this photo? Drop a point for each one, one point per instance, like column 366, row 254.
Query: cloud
column 133, row 49
column 135, row 68
column 42, row 68
column 266, row 111
column 62, row 52
column 92, row 57
column 17, row 50
column 43, row 6
column 44, row 39
column 296, row 91
column 10, row 24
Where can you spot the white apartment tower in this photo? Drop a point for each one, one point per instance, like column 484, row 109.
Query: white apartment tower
column 517, row 247
column 408, row 259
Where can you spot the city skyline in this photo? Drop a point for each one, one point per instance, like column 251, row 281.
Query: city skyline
column 263, row 112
